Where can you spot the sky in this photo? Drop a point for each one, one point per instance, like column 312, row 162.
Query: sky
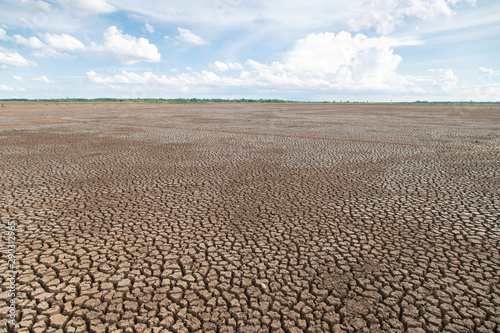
column 315, row 50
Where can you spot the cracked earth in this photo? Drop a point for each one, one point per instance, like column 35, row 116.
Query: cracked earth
column 252, row 218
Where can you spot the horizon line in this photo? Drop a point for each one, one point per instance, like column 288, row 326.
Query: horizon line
column 217, row 101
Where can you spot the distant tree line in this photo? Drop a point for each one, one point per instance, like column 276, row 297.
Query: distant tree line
column 209, row 100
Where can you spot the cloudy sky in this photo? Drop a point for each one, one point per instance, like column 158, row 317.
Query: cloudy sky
column 315, row 50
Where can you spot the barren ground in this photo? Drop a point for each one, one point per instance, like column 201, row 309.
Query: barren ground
column 252, row 218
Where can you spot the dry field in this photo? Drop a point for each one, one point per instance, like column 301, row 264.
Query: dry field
column 251, row 218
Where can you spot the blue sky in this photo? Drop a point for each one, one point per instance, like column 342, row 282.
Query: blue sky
column 373, row 50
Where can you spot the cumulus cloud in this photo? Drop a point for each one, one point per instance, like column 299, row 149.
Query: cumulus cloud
column 124, row 48
column 12, row 58
column 31, row 42
column 346, row 62
column 98, row 78
column 219, row 66
column 235, row 66
column 342, row 60
column 147, row 78
column 323, row 61
column 325, row 51
column 53, row 44
column 62, row 42
column 187, row 36
column 18, row 78
column 133, row 78
column 43, row 79
column 87, row 7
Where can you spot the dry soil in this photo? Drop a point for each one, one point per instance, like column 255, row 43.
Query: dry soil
column 252, row 218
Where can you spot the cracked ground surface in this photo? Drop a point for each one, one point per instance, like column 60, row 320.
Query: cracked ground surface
column 252, row 218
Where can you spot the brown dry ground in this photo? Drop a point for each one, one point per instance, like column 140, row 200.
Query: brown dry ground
column 252, row 218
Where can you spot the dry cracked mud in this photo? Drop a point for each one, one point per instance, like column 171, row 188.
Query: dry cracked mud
column 252, row 218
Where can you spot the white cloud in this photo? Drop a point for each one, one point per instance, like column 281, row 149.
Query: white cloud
column 3, row 35
column 354, row 62
column 62, row 42
column 3, row 87
column 125, row 49
column 147, row 78
column 98, row 78
column 385, row 15
column 130, row 78
column 43, row 79
column 87, row 7
column 149, row 28
column 187, row 36
column 325, row 51
column 457, row 2
column 426, row 9
column 379, row 14
column 483, row 70
column 54, row 42
column 257, row 30
column 324, row 61
column 12, row 58
column 18, row 78
column 31, row 42
column 439, row 80
column 219, row 66
column 235, row 66
column 488, row 71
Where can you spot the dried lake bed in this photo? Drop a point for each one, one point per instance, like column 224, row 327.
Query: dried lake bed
column 250, row 217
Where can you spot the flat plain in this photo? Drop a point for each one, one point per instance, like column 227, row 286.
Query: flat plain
column 252, row 218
